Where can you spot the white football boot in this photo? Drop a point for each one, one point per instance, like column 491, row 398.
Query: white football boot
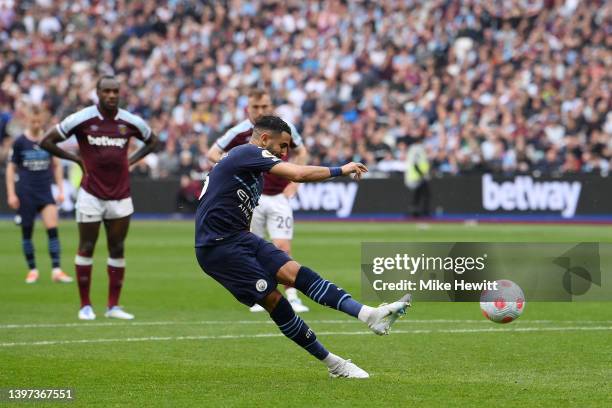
column 298, row 306
column 57, row 275
column 32, row 276
column 385, row 315
column 116, row 312
column 347, row 369
column 87, row 313
column 257, row 308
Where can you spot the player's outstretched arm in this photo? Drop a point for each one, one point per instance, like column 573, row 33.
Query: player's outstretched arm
column 49, row 143
column 304, row 174
column 149, row 145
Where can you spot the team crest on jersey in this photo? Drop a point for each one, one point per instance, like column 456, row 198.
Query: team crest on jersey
column 261, row 285
column 123, row 130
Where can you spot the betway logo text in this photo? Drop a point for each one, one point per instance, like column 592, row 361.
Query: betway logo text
column 525, row 194
column 106, row 141
column 338, row 197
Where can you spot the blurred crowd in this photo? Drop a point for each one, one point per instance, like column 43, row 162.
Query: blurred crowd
column 483, row 85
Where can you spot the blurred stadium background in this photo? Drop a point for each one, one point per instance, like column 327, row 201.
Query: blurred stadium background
column 505, row 88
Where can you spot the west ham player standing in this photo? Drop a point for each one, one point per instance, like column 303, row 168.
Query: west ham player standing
column 33, row 169
column 103, row 133
column 250, row 267
column 274, row 212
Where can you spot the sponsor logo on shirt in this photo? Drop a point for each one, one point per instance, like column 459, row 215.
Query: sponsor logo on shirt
column 106, row 141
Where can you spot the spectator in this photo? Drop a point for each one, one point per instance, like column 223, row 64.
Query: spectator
column 490, row 86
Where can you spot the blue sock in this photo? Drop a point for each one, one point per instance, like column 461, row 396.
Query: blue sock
column 292, row 326
column 54, row 247
column 324, row 292
column 28, row 245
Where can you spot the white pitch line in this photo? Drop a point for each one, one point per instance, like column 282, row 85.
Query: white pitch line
column 255, row 322
column 263, row 335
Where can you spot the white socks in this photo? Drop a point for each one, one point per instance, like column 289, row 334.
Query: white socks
column 332, row 360
column 365, row 313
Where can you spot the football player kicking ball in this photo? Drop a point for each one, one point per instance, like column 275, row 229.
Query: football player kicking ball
column 103, row 133
column 250, row 267
column 35, row 168
column 274, row 212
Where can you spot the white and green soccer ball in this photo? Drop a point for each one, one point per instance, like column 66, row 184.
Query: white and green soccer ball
column 503, row 305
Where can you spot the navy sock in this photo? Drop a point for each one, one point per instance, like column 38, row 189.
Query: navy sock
column 324, row 292
column 28, row 245
column 54, row 247
column 292, row 326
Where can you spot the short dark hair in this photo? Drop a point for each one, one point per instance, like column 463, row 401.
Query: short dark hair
column 272, row 123
column 102, row 78
column 257, row 93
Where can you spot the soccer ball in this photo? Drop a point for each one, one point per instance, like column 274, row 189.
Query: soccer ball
column 504, row 304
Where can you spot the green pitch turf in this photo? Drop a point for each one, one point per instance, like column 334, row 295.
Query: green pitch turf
column 193, row 345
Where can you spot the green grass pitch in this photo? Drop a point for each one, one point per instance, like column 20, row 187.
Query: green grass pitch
column 192, row 344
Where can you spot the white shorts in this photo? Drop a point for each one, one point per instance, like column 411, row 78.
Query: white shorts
column 90, row 208
column 274, row 214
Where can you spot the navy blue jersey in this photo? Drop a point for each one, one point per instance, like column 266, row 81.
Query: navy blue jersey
column 231, row 193
column 33, row 166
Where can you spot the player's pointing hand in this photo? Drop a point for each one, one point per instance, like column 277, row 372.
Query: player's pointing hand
column 354, row 168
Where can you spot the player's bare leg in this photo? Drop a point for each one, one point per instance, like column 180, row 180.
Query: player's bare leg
column 116, row 232
column 290, row 292
column 292, row 326
column 88, row 235
column 379, row 319
column 49, row 219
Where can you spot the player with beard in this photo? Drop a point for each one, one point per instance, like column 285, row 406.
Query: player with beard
column 274, row 214
column 249, row 267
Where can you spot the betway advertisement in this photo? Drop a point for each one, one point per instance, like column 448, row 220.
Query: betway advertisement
column 572, row 197
column 333, row 197
column 525, row 194
column 475, row 196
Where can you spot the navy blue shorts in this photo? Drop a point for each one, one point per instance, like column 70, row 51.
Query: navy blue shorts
column 245, row 265
column 31, row 203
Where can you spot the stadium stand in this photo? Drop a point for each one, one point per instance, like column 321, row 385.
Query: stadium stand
column 497, row 86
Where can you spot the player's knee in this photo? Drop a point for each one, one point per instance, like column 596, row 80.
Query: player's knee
column 271, row 300
column 86, row 248
column 288, row 273
column 115, row 250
